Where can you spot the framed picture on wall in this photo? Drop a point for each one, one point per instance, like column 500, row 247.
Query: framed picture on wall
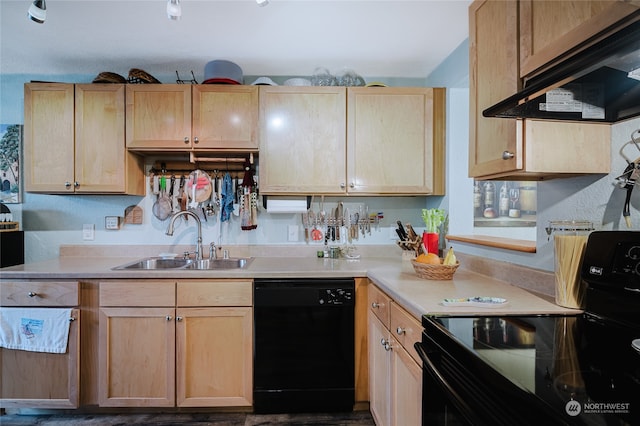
column 10, row 163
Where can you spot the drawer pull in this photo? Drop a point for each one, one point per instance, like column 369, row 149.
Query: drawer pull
column 32, row 294
column 400, row 331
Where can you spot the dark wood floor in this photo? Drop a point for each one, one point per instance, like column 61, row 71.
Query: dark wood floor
column 357, row 418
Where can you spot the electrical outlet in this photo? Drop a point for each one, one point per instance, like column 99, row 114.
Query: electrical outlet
column 112, row 222
column 88, row 232
column 292, row 233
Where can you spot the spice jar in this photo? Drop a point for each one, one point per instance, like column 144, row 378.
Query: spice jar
column 569, row 241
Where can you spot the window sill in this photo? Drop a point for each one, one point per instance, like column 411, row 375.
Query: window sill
column 496, row 242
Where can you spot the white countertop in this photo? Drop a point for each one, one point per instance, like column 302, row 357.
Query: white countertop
column 418, row 296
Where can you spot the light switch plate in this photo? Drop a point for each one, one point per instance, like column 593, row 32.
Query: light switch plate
column 88, row 232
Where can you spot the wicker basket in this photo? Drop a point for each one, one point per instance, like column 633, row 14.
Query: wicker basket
column 109, row 77
column 434, row 272
column 138, row 76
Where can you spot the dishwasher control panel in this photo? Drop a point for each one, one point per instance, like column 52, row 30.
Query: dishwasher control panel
column 335, row 296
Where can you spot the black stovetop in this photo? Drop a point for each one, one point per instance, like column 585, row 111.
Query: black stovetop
column 560, row 360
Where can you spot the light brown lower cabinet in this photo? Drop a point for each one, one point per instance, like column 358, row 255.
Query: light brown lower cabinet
column 395, row 372
column 41, row 379
column 192, row 348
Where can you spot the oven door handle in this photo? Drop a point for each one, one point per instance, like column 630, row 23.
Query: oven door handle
column 465, row 409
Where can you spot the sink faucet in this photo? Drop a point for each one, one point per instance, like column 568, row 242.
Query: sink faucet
column 198, row 222
column 212, row 251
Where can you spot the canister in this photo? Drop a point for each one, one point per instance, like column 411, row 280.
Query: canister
column 569, row 241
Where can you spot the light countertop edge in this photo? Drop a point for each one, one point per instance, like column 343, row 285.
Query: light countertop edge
column 397, row 279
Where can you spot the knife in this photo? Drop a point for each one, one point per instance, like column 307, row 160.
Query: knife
column 411, row 232
column 402, row 231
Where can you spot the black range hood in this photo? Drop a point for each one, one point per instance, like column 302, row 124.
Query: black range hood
column 598, row 84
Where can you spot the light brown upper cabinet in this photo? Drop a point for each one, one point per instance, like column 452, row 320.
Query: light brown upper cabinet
column 395, row 140
column 74, row 140
column 501, row 148
column 169, row 117
column 361, row 141
column 302, row 140
column 550, row 29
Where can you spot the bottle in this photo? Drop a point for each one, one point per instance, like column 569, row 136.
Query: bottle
column 489, row 200
column 477, row 200
column 503, row 203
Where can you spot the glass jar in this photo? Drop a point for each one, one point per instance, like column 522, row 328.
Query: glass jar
column 569, row 241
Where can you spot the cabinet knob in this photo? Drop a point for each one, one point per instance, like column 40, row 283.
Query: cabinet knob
column 195, row 140
column 385, row 344
column 375, row 305
column 67, row 184
column 400, row 331
column 178, row 318
column 168, row 317
column 32, row 294
column 352, row 185
column 76, row 184
column 506, row 155
column 342, row 185
column 186, row 140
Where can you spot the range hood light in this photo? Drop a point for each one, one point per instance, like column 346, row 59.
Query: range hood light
column 635, row 74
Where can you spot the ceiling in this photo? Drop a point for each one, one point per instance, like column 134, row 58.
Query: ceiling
column 375, row 38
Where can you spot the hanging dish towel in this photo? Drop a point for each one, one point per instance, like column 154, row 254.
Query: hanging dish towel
column 35, row 329
column 227, row 198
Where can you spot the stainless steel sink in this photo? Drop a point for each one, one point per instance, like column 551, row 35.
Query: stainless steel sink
column 158, row 263
column 155, row 263
column 232, row 263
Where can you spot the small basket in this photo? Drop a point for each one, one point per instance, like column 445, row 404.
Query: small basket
column 434, row 272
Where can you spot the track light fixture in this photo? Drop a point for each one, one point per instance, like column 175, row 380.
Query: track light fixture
column 174, row 10
column 262, row 3
column 38, row 11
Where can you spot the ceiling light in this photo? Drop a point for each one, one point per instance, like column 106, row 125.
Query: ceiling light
column 262, row 3
column 174, row 10
column 38, row 11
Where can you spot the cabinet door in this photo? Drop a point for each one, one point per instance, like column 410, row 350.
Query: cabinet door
column 302, row 140
column 395, row 140
column 48, row 137
column 99, row 141
column 214, row 362
column 379, row 372
column 225, row 117
column 493, row 76
column 406, row 388
column 551, row 28
column 158, row 116
column 137, row 357
column 39, row 379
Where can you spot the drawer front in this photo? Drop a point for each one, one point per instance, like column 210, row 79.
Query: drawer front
column 215, row 293
column 379, row 304
column 39, row 293
column 138, row 293
column 406, row 329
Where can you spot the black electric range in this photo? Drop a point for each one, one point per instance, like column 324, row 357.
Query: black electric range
column 544, row 369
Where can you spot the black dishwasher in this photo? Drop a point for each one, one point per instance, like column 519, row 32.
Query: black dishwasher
column 304, row 345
